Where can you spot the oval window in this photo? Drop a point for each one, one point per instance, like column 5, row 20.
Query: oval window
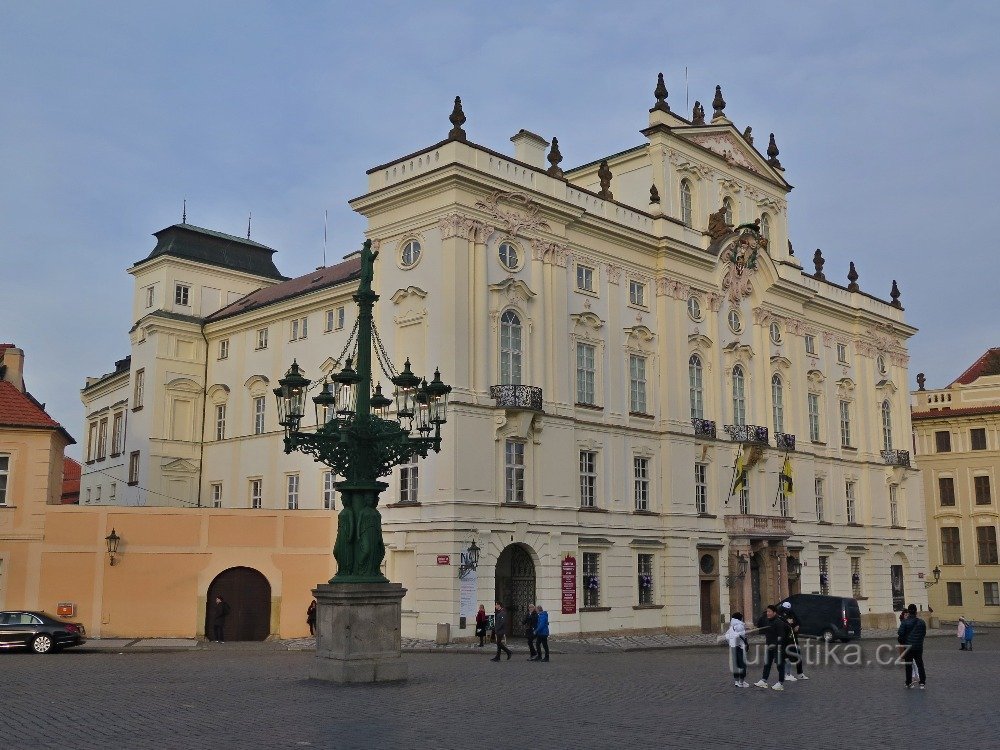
column 735, row 321
column 694, row 308
column 508, row 256
column 410, row 254
column 775, row 333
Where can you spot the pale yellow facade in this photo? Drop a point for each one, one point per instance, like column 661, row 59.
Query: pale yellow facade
column 957, row 438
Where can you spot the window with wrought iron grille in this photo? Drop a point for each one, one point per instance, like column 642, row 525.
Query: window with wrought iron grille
column 585, row 374
column 216, row 488
column 220, row 421
column 637, row 383
column 409, row 480
column 954, row 594
column 777, row 404
column 640, row 469
column 991, row 594
column 946, row 491
column 329, row 490
column 701, row 487
column 259, row 409
column 852, row 509
column 820, row 501
column 510, row 348
column 591, row 579
column 645, row 568
column 824, row 575
column 894, row 505
column 845, row 424
column 981, row 484
column 695, row 387
column 513, row 471
column 739, row 397
column 986, row 541
column 588, row 478
column 812, row 401
column 256, row 493
column 292, row 494
column 951, row 546
column 856, row 577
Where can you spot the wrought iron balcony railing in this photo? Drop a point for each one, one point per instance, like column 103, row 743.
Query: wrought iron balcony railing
column 747, row 433
column 784, row 441
column 517, row 396
column 896, row 458
column 703, row 427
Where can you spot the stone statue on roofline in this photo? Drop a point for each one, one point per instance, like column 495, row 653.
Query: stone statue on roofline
column 717, row 224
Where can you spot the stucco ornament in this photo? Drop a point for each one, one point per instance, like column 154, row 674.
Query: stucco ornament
column 513, row 222
column 740, row 259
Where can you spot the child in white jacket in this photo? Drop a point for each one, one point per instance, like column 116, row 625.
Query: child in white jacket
column 736, row 636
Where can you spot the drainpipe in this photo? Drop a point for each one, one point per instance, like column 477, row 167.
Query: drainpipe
column 204, row 407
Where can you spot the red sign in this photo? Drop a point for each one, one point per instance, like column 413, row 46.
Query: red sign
column 444, row 559
column 569, row 585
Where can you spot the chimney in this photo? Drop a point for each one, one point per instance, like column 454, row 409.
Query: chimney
column 530, row 148
column 12, row 369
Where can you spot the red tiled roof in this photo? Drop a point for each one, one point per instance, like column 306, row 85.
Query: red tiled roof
column 71, row 482
column 988, row 364
column 19, row 409
column 960, row 412
column 318, row 279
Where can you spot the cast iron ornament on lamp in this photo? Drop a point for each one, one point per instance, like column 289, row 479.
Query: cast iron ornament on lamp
column 937, row 577
column 112, row 540
column 356, row 436
column 470, row 560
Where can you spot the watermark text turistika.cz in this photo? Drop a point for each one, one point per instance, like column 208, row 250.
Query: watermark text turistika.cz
column 818, row 653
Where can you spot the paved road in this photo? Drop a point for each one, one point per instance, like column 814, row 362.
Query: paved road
column 679, row 698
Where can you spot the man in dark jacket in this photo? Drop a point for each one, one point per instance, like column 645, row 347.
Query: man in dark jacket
column 776, row 635
column 792, row 651
column 219, row 619
column 501, row 626
column 530, row 622
column 911, row 634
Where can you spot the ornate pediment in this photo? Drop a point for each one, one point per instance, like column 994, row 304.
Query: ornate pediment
column 700, row 340
column 512, row 291
column 739, row 260
column 218, row 393
column 587, row 321
column 845, row 387
column 730, row 147
column 402, row 294
column 779, row 362
column 183, row 384
column 257, row 384
column 886, row 386
column 513, row 222
column 815, row 378
column 179, row 466
column 638, row 337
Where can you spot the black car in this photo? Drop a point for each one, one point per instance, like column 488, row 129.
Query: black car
column 827, row 617
column 40, row 632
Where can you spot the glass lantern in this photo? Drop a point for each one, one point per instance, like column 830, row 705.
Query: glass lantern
column 406, row 390
column 423, row 402
column 438, row 393
column 291, row 395
column 347, row 380
column 326, row 405
column 380, row 404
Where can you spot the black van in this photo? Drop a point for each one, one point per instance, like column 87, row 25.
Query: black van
column 827, row 617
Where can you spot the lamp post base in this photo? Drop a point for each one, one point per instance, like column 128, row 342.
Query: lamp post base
column 358, row 633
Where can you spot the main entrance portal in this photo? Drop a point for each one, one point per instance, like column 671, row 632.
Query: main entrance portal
column 516, row 584
column 249, row 597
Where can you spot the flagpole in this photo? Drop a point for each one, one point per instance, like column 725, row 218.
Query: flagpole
column 733, row 479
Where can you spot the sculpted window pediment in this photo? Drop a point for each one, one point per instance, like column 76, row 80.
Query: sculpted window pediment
column 886, row 386
column 411, row 291
column 586, row 322
column 328, row 365
column 409, row 304
column 638, row 337
column 781, row 363
column 218, row 393
column 700, row 340
column 815, row 377
column 257, row 385
column 179, row 466
column 183, row 384
column 846, row 386
column 511, row 291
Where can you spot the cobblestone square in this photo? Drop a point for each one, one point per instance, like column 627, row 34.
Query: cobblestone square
column 673, row 698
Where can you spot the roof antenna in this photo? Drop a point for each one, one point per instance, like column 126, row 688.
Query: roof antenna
column 248, row 224
column 326, row 217
column 184, row 214
column 687, row 95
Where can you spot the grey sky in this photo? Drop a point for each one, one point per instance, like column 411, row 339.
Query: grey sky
column 111, row 114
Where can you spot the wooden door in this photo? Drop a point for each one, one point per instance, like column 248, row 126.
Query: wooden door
column 249, row 597
column 707, row 607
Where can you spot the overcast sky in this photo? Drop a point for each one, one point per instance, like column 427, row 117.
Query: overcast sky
column 112, row 113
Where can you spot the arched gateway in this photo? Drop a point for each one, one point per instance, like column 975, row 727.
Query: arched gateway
column 515, row 588
column 249, row 597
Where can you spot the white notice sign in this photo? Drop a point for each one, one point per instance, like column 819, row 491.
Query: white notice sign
column 468, row 592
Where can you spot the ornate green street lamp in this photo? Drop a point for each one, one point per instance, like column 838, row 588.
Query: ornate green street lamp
column 357, row 436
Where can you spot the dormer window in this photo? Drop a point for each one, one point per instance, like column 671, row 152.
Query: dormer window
column 182, row 294
column 149, row 296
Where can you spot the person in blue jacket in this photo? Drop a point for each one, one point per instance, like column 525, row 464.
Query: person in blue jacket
column 542, row 634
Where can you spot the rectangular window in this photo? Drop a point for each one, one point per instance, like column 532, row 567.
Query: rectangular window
column 645, row 569
column 813, row 404
column 978, row 437
column 182, row 292
column 149, row 296
column 820, row 503
column 584, row 278
column 951, row 547
column 637, row 384
column 220, row 422
column 92, row 442
column 942, row 441
column 640, row 470
column 856, row 577
column 852, row 510
column 102, row 440
column 216, row 492
column 845, row 424
column 224, row 349
column 701, row 488
column 335, row 319
column 946, row 491
column 117, row 433
column 591, row 579
column 292, row 493
column 745, row 498
column 842, row 353
column 4, row 476
column 137, row 389
column 783, row 509
column 329, row 490
column 259, row 405
column 824, row 575
column 982, row 486
column 954, row 594
column 409, row 480
column 585, row 374
column 97, row 494
column 341, row 316
column 588, row 478
column 986, row 541
column 513, row 480
column 991, row 594
column 262, row 338
column 300, row 329
column 810, row 344
column 637, row 293
column 894, row 505
column 256, row 493
column 133, row 468
column 113, row 492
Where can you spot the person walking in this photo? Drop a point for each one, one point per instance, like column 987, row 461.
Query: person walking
column 911, row 634
column 775, row 631
column 541, row 633
column 961, row 634
column 311, row 617
column 737, row 639
column 530, row 622
column 219, row 619
column 792, row 650
column 967, row 634
column 482, row 622
column 501, row 627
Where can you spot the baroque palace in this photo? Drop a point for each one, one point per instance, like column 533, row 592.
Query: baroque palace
column 658, row 414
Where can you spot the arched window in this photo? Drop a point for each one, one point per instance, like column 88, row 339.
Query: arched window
column 510, row 349
column 727, row 206
column 739, row 397
column 765, row 227
column 886, row 426
column 695, row 385
column 778, row 404
column 686, row 202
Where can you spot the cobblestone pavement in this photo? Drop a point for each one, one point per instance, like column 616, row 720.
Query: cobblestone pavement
column 232, row 698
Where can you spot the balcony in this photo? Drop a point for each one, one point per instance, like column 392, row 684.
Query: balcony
column 703, row 428
column 784, row 442
column 896, row 458
column 747, row 433
column 517, row 397
column 758, row 527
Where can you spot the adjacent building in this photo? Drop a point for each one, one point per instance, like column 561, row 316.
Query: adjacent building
column 957, row 436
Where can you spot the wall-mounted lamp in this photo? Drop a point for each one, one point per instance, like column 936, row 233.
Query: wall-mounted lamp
column 937, row 577
column 470, row 560
column 794, row 566
column 112, row 540
column 742, row 566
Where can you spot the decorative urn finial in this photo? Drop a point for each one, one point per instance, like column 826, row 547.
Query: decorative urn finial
column 604, row 173
column 772, row 153
column 660, row 92
column 554, row 157
column 895, row 295
column 852, row 277
column 819, row 263
column 654, row 195
column 698, row 114
column 718, row 103
column 457, row 120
